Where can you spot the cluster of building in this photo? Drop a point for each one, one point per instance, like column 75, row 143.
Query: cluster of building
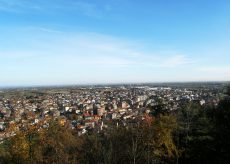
column 92, row 109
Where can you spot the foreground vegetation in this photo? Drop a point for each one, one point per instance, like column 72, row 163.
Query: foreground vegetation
column 194, row 134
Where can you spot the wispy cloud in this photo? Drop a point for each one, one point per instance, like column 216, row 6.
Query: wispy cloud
column 7, row 6
column 117, row 54
column 89, row 9
column 18, row 5
column 216, row 69
column 95, row 50
column 52, row 55
column 177, row 60
column 49, row 30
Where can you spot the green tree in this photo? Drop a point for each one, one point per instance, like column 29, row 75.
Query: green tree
column 164, row 148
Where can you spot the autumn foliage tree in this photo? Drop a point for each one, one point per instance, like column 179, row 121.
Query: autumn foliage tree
column 193, row 134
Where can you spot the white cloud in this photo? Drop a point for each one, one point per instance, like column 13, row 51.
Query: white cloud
column 177, row 60
column 216, row 69
column 55, row 58
column 93, row 49
column 17, row 55
column 49, row 30
column 89, row 9
column 18, row 5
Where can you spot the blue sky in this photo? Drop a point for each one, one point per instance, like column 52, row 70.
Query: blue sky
column 48, row 42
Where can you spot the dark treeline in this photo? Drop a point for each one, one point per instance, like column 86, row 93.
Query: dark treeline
column 193, row 134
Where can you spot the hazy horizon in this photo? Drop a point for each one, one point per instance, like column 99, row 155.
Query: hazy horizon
column 81, row 42
column 111, row 84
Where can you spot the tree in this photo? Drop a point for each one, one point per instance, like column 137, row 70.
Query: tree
column 221, row 119
column 60, row 145
column 164, row 148
column 196, row 136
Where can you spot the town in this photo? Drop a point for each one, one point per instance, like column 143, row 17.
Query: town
column 94, row 108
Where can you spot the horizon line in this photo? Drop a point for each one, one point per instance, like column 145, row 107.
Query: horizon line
column 109, row 84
